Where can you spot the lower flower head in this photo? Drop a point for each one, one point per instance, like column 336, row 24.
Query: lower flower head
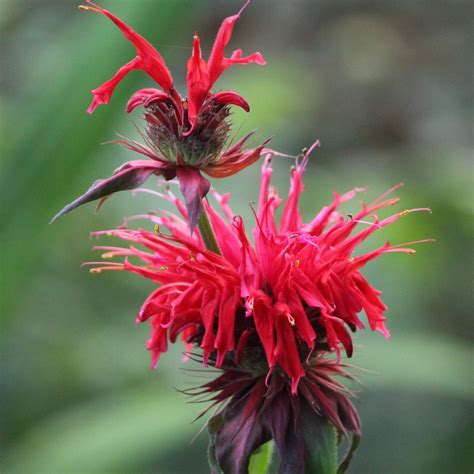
column 296, row 290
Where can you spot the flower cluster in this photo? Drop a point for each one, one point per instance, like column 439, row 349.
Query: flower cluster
column 299, row 285
column 270, row 313
column 272, row 308
column 183, row 137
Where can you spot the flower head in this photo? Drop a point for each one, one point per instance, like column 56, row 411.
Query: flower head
column 298, row 288
column 183, row 137
column 272, row 315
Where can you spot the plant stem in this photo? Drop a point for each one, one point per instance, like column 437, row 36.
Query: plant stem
column 262, row 458
column 207, row 233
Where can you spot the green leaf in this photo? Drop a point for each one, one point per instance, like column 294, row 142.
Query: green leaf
column 261, row 459
column 350, row 452
column 321, row 444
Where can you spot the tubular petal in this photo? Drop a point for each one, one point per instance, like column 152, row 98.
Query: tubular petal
column 217, row 63
column 148, row 59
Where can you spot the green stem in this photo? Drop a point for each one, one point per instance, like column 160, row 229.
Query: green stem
column 261, row 459
column 207, row 233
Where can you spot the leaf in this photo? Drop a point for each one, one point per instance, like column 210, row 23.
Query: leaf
column 321, row 443
column 261, row 459
column 350, row 452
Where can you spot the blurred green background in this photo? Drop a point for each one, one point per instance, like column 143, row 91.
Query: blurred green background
column 387, row 88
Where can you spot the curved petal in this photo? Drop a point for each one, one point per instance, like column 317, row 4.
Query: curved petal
column 237, row 160
column 148, row 59
column 217, row 63
column 103, row 93
column 146, row 97
column 231, row 98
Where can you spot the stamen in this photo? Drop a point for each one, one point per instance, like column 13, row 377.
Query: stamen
column 387, row 193
column 119, row 266
column 413, row 243
column 243, row 8
column 249, row 303
column 418, row 209
column 359, row 221
column 108, row 255
column 291, row 319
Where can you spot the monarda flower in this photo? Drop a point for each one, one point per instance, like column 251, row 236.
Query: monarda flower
column 183, row 137
column 273, row 315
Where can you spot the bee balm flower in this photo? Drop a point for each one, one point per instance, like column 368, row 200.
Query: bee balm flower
column 297, row 288
column 269, row 314
column 183, row 137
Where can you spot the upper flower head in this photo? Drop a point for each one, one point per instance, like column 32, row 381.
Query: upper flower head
column 297, row 289
column 183, row 137
column 201, row 75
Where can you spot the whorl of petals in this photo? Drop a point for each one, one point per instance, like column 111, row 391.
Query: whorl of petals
column 299, row 284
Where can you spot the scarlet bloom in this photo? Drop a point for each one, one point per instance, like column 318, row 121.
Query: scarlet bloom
column 183, row 137
column 269, row 314
column 299, row 286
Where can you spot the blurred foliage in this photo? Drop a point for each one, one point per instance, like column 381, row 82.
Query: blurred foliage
column 387, row 88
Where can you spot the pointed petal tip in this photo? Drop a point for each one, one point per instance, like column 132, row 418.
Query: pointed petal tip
column 56, row 216
column 61, row 213
column 94, row 104
column 259, row 59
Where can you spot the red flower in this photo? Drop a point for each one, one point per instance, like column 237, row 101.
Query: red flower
column 184, row 137
column 298, row 289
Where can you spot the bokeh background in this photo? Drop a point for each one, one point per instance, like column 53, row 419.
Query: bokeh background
column 387, row 88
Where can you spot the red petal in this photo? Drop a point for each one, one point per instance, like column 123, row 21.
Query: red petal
column 198, row 82
column 264, row 323
column 231, row 163
column 146, row 97
column 230, row 97
column 217, row 63
column 148, row 59
column 286, row 352
column 103, row 93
